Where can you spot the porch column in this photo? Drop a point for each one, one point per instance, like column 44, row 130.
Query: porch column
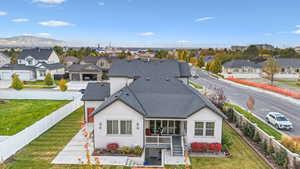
column 80, row 77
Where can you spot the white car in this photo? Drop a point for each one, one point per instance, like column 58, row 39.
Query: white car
column 279, row 120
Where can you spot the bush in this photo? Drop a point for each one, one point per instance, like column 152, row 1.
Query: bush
column 281, row 158
column 137, row 150
column 125, row 150
column 62, row 85
column 48, row 80
column 226, row 141
column 215, row 147
column 248, row 130
column 17, row 83
column 256, row 138
column 112, row 146
column 199, row 147
column 292, row 143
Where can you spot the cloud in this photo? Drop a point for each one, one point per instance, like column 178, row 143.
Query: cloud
column 297, row 26
column 204, row 19
column 38, row 34
column 183, row 41
column 20, row 20
column 268, row 34
column 2, row 13
column 147, row 34
column 297, row 32
column 49, row 1
column 101, row 3
column 54, row 23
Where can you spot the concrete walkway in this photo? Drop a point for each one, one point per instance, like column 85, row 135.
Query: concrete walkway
column 4, row 84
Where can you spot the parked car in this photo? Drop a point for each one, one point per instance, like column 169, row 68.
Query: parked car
column 279, row 120
column 195, row 76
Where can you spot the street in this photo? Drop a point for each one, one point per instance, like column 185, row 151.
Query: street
column 264, row 103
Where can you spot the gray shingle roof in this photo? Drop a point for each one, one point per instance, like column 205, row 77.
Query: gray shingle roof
column 239, row 63
column 16, row 67
column 71, row 59
column 93, row 59
column 143, row 68
column 84, row 68
column 289, row 62
column 36, row 53
column 52, row 66
column 161, row 97
column 96, row 92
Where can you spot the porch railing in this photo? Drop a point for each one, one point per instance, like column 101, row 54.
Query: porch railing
column 158, row 140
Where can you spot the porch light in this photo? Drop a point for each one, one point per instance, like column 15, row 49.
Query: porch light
column 137, row 125
column 100, row 126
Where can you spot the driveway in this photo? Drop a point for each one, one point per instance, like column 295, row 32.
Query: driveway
column 4, row 84
column 264, row 102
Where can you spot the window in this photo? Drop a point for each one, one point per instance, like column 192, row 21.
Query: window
column 42, row 72
column 126, row 127
column 199, row 127
column 112, row 127
column 204, row 128
column 210, row 129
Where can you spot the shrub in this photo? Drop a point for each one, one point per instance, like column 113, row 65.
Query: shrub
column 112, row 146
column 226, row 141
column 199, row 147
column 256, row 138
column 215, row 147
column 17, row 83
column 62, row 85
column 48, row 80
column 125, row 150
column 137, row 150
column 248, row 130
column 292, row 143
column 265, row 147
column 271, row 149
column 281, row 158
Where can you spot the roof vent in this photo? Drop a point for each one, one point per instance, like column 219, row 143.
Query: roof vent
column 167, row 79
column 148, row 78
column 127, row 94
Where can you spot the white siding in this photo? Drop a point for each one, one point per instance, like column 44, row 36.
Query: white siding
column 90, row 104
column 117, row 83
column 118, row 111
column 23, row 74
column 53, row 58
column 204, row 115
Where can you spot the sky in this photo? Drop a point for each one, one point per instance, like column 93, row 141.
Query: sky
column 155, row 23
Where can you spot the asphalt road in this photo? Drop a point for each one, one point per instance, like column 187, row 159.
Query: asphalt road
column 264, row 103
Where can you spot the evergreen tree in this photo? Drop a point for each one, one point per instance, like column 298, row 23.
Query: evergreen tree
column 48, row 79
column 17, row 83
column 215, row 66
column 200, row 62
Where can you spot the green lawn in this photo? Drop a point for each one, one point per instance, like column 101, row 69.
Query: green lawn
column 16, row 115
column 243, row 157
column 265, row 127
column 290, row 83
column 40, row 153
column 196, row 85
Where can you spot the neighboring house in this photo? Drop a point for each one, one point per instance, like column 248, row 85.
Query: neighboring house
column 208, row 59
column 31, row 57
column 34, row 64
column 70, row 60
column 4, row 59
column 241, row 68
column 147, row 104
column 289, row 68
column 85, row 72
column 102, row 62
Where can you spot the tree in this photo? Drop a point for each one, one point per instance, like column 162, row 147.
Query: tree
column 252, row 53
column 62, row 85
column 215, row 66
column 200, row 62
column 207, row 66
column 122, row 55
column 288, row 53
column 271, row 67
column 58, row 50
column 48, row 79
column 17, row 83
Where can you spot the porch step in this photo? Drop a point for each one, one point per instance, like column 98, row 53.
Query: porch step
column 177, row 146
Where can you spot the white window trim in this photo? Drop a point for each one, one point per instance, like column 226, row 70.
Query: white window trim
column 204, row 129
column 119, row 127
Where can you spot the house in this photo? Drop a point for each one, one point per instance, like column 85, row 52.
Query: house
column 102, row 62
column 85, row 72
column 148, row 105
column 34, row 64
column 289, row 68
column 4, row 59
column 70, row 60
column 31, row 57
column 241, row 68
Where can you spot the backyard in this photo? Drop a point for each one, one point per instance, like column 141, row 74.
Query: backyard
column 44, row 149
column 16, row 115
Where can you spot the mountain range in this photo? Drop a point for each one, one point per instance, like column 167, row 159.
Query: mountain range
column 30, row 41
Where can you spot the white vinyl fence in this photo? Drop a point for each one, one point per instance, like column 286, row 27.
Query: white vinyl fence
column 14, row 143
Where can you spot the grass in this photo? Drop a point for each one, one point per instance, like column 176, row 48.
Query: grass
column 243, row 157
column 262, row 125
column 196, row 85
column 16, row 115
column 39, row 153
column 290, row 83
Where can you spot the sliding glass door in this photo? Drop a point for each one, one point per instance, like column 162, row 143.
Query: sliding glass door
column 165, row 127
